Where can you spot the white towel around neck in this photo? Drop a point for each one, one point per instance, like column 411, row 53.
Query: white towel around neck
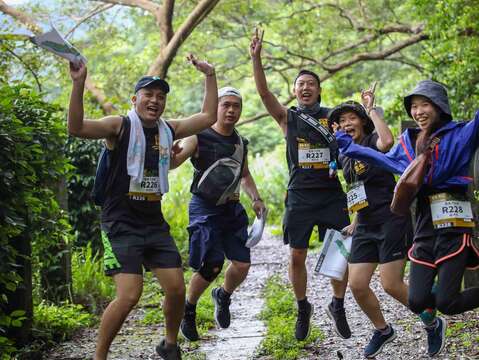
column 135, row 159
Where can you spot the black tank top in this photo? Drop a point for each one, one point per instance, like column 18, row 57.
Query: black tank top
column 302, row 143
column 213, row 146
column 119, row 205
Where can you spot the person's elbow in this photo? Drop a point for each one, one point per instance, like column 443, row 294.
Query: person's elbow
column 386, row 143
column 74, row 130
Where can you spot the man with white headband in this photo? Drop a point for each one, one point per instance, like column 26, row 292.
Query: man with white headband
column 218, row 222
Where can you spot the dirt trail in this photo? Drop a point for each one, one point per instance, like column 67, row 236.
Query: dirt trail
column 241, row 340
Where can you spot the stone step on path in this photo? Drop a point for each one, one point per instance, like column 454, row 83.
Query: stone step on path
column 241, row 340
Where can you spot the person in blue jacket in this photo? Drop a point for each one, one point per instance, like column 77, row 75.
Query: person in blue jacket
column 442, row 244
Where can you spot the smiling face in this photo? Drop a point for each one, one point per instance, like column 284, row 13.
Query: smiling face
column 424, row 113
column 307, row 90
column 149, row 103
column 229, row 110
column 352, row 125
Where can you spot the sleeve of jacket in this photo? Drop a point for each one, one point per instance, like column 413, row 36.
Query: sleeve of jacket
column 394, row 161
column 470, row 132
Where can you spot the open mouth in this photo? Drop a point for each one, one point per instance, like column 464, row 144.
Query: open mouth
column 152, row 109
column 306, row 96
column 350, row 131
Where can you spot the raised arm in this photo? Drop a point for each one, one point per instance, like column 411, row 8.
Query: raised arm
column 107, row 127
column 207, row 117
column 273, row 106
column 385, row 136
column 249, row 186
column 182, row 150
column 394, row 161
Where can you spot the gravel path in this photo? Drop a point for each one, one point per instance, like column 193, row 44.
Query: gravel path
column 240, row 341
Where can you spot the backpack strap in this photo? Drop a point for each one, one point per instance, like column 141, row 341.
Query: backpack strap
column 115, row 154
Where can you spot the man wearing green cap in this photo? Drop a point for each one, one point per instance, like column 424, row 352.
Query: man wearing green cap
column 218, row 222
column 134, row 232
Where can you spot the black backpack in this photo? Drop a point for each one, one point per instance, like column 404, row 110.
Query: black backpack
column 105, row 171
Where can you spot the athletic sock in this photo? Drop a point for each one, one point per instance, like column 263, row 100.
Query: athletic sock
column 224, row 294
column 428, row 316
column 386, row 330
column 303, row 304
column 338, row 303
column 190, row 306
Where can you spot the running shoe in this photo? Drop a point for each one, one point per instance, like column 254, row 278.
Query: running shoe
column 188, row 325
column 377, row 342
column 303, row 322
column 222, row 308
column 436, row 337
column 168, row 352
column 340, row 324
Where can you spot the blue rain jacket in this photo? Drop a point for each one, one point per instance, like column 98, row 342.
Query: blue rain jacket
column 450, row 158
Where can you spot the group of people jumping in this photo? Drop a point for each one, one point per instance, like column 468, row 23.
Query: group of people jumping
column 352, row 137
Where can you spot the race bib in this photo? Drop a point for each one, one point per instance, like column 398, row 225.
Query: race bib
column 146, row 190
column 447, row 212
column 357, row 198
column 311, row 156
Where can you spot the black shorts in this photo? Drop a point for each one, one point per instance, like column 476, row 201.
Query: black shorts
column 381, row 243
column 127, row 248
column 305, row 208
column 433, row 250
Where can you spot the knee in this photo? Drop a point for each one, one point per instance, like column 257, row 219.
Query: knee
column 445, row 304
column 128, row 300
column 241, row 266
column 417, row 304
column 390, row 287
column 358, row 288
column 210, row 271
column 176, row 290
column 298, row 257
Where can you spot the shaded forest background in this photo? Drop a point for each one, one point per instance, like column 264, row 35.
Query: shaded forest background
column 50, row 264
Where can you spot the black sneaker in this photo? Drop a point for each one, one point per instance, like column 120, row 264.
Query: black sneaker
column 168, row 352
column 222, row 309
column 377, row 342
column 188, row 325
column 303, row 322
column 436, row 337
column 338, row 316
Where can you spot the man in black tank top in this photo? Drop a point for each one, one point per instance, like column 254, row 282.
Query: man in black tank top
column 218, row 222
column 315, row 196
column 134, row 232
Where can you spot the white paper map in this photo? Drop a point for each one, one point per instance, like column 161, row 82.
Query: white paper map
column 256, row 231
column 54, row 42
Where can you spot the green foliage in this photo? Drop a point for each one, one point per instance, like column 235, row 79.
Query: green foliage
column 58, row 323
column 280, row 318
column 91, row 287
column 84, row 216
column 270, row 172
column 31, row 137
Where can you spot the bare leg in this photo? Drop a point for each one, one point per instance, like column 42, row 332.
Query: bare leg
column 392, row 275
column 196, row 288
column 128, row 292
column 340, row 286
column 172, row 282
column 297, row 272
column 235, row 275
column 359, row 279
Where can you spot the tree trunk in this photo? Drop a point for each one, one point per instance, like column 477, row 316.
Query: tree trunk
column 21, row 299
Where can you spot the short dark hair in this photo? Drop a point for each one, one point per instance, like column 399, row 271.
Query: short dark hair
column 307, row 72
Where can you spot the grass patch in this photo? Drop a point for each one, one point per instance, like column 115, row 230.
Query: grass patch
column 464, row 335
column 280, row 317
